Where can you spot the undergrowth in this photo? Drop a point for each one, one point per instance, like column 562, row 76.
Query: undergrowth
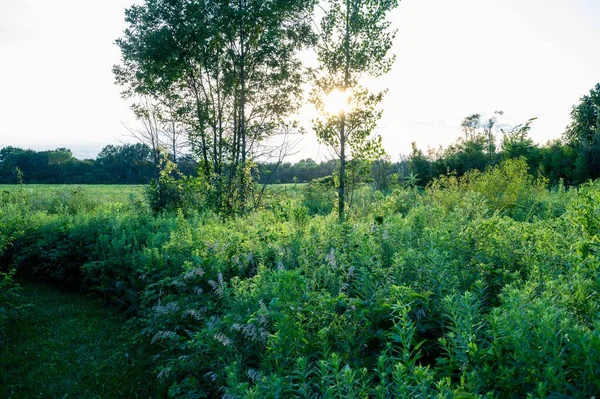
column 483, row 286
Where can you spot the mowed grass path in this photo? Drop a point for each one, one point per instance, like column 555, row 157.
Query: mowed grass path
column 69, row 346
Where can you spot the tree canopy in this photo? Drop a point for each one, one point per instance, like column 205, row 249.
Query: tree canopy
column 355, row 39
column 231, row 71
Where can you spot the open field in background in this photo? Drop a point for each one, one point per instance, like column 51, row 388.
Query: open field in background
column 77, row 198
column 292, row 190
column 117, row 192
column 51, row 197
column 100, row 193
column 475, row 287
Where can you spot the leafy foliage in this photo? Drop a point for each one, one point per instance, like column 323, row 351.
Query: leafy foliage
column 355, row 39
column 478, row 286
column 10, row 306
column 172, row 190
column 319, row 196
column 228, row 70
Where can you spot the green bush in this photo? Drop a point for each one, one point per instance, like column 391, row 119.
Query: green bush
column 319, row 196
column 10, row 304
column 507, row 189
column 173, row 191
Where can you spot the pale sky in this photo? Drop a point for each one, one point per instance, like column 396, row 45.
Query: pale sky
column 529, row 58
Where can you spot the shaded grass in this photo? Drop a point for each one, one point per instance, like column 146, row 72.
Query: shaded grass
column 69, row 346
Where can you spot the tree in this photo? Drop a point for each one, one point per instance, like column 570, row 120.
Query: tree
column 148, row 113
column 583, row 135
column 174, row 132
column 476, row 150
column 355, row 39
column 381, row 173
column 418, row 165
column 49, row 166
column 490, row 136
column 470, row 125
column 230, row 71
column 125, row 164
column 585, row 120
column 516, row 143
column 558, row 161
column 477, row 131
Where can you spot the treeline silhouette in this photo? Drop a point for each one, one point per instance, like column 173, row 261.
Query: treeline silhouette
column 572, row 159
column 115, row 164
column 127, row 164
column 132, row 164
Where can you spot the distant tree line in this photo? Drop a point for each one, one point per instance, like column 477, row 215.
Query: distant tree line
column 302, row 171
column 573, row 159
column 115, row 164
column 131, row 164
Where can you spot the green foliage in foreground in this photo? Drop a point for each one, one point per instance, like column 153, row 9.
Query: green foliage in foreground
column 479, row 286
column 10, row 307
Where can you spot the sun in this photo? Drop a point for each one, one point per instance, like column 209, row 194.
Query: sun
column 337, row 102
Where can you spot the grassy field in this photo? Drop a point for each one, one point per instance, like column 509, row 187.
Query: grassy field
column 100, row 193
column 114, row 193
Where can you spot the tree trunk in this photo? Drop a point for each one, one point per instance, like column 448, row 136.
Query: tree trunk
column 341, row 189
column 242, row 187
column 174, row 141
column 202, row 133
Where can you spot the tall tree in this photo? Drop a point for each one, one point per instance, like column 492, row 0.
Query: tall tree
column 232, row 65
column 355, row 39
column 516, row 141
column 470, row 125
column 585, row 120
column 583, row 135
column 161, row 127
column 148, row 113
column 490, row 136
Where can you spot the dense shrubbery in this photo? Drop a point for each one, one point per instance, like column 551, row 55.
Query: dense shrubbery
column 11, row 226
column 10, row 306
column 484, row 284
column 319, row 196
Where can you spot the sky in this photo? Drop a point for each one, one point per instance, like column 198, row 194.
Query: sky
column 528, row 58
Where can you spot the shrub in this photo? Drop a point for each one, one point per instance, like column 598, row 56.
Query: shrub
column 172, row 190
column 10, row 302
column 319, row 196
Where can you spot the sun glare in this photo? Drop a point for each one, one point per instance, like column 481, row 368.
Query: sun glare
column 337, row 102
